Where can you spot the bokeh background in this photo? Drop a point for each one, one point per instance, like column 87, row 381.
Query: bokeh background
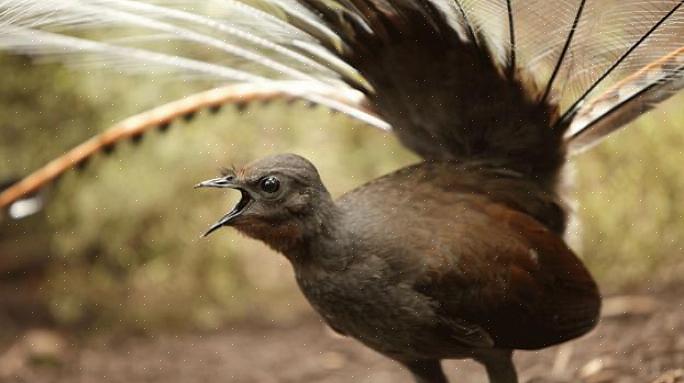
column 117, row 250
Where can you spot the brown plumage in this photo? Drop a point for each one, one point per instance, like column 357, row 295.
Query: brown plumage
column 437, row 260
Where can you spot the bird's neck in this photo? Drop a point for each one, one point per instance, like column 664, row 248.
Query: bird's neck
column 323, row 244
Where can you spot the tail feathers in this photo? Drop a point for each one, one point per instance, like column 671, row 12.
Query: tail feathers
column 449, row 87
column 133, row 128
column 514, row 82
column 626, row 101
column 502, row 80
column 368, row 25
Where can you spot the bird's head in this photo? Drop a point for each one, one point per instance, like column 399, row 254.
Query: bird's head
column 283, row 200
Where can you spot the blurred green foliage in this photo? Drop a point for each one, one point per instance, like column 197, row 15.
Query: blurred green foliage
column 123, row 236
column 631, row 201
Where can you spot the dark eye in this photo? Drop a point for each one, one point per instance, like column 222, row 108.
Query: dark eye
column 269, row 184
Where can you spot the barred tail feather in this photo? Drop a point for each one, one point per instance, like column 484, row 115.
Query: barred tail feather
column 350, row 103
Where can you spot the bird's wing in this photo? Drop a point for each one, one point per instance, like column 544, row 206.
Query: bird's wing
column 520, row 275
column 486, row 79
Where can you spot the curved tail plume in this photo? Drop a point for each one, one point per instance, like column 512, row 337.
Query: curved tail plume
column 135, row 127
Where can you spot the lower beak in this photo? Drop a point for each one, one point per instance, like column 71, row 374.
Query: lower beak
column 227, row 219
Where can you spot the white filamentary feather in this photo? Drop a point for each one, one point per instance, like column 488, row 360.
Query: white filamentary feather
column 159, row 12
column 74, row 13
column 79, row 51
column 491, row 19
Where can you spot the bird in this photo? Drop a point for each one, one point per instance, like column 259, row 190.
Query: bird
column 459, row 256
column 423, row 264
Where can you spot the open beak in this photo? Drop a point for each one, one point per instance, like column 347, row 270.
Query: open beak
column 226, row 182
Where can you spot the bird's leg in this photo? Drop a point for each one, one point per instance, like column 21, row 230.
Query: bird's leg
column 426, row 371
column 499, row 366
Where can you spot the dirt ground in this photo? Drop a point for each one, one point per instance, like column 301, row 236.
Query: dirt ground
column 640, row 339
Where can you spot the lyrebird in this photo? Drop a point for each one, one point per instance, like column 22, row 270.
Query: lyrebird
column 459, row 256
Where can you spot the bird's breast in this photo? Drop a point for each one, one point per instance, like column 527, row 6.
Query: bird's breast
column 391, row 318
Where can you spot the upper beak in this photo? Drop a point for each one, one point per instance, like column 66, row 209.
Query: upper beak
column 226, row 182
column 221, row 182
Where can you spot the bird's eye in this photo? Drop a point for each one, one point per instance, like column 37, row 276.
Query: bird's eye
column 269, row 184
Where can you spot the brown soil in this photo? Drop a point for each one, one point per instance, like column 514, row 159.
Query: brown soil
column 640, row 339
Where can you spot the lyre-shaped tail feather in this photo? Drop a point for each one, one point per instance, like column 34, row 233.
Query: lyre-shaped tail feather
column 346, row 102
column 626, row 101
